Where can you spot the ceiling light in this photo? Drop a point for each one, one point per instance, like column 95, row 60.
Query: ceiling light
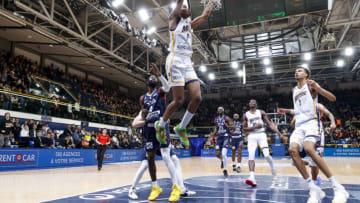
column 268, row 70
column 305, row 65
column 117, row 3
column 349, row 51
column 234, row 65
column 203, row 68
column 102, row 67
column 307, row 56
column 340, row 63
column 144, row 15
column 240, row 73
column 151, row 30
column 173, row 6
column 211, row 76
column 266, row 61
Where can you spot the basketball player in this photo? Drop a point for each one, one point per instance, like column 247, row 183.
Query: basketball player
column 237, row 142
column 307, row 133
column 223, row 124
column 179, row 69
column 153, row 105
column 319, row 145
column 140, row 122
column 253, row 124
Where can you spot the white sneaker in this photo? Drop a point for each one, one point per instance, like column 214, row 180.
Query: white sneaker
column 132, row 194
column 340, row 194
column 188, row 193
column 316, row 195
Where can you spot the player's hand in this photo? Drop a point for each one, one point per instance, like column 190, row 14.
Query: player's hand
column 281, row 111
column 155, row 69
column 259, row 125
column 332, row 126
column 313, row 84
column 144, row 113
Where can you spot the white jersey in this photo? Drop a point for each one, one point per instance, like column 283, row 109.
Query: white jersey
column 181, row 38
column 253, row 119
column 305, row 106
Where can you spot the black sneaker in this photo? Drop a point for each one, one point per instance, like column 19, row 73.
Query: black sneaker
column 238, row 169
column 226, row 175
column 222, row 165
column 234, row 167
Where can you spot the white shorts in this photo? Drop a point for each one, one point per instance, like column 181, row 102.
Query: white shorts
column 309, row 131
column 257, row 139
column 179, row 70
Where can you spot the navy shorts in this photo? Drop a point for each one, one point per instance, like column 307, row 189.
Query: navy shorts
column 151, row 143
column 158, row 153
column 237, row 143
column 223, row 142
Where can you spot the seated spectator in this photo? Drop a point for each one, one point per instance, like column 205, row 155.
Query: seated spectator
column 76, row 138
column 25, row 135
column 38, row 142
column 67, row 143
column 48, row 141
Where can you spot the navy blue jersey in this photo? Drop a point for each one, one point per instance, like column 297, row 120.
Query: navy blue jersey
column 221, row 127
column 238, row 129
column 155, row 103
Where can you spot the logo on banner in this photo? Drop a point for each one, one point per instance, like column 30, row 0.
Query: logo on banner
column 108, row 156
column 46, row 118
column 17, row 158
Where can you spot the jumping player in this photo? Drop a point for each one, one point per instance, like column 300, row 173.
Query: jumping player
column 154, row 103
column 253, row 124
column 307, row 132
column 223, row 124
column 179, row 69
column 237, row 142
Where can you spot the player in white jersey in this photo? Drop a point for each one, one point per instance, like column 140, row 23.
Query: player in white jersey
column 179, row 69
column 253, row 124
column 307, row 133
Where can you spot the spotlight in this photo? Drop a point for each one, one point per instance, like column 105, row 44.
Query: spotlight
column 305, row 65
column 266, row 61
column 307, row 56
column 203, row 68
column 173, row 6
column 340, row 63
column 144, row 15
column 268, row 70
column 211, row 76
column 349, row 51
column 151, row 30
column 240, row 73
column 234, row 65
column 117, row 3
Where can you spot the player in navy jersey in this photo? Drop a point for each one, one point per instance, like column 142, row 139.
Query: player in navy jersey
column 223, row 124
column 237, row 142
column 153, row 105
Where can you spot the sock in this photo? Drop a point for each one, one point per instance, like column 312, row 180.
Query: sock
column 140, row 173
column 310, row 182
column 155, row 183
column 165, row 153
column 162, row 123
column 238, row 164
column 333, row 181
column 252, row 174
column 186, row 119
column 271, row 163
column 224, row 158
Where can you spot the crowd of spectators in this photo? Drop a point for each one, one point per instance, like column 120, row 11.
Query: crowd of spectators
column 17, row 75
column 38, row 134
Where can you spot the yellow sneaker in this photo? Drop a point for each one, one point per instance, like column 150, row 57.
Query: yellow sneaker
column 175, row 194
column 155, row 192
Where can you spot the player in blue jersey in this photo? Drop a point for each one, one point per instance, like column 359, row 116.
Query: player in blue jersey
column 237, row 142
column 223, row 125
column 153, row 105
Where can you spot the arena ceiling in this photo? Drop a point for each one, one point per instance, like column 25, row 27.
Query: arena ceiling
column 89, row 36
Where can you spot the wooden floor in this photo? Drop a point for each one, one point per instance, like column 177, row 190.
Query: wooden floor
column 48, row 184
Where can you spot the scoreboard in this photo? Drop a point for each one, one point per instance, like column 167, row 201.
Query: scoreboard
column 236, row 12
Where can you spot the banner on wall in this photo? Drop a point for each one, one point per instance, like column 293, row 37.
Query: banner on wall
column 40, row 158
column 212, row 153
column 345, row 152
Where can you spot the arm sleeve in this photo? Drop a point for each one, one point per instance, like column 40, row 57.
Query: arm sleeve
column 164, row 83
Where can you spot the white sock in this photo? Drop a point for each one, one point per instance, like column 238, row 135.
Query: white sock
column 186, row 119
column 238, row 164
column 224, row 157
column 234, row 163
column 180, row 178
column 310, row 183
column 155, row 183
column 271, row 162
column 162, row 123
column 165, row 153
column 333, row 181
column 252, row 174
column 140, row 173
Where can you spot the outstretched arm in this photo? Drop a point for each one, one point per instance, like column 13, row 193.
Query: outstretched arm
column 205, row 14
column 165, row 85
column 285, row 111
column 270, row 124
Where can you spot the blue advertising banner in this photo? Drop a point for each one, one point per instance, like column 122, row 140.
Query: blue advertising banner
column 346, row 152
column 40, row 158
column 212, row 152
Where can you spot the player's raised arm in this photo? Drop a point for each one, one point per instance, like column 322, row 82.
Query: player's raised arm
column 323, row 109
column 176, row 12
column 285, row 111
column 314, row 85
column 270, row 124
column 165, row 85
column 205, row 14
